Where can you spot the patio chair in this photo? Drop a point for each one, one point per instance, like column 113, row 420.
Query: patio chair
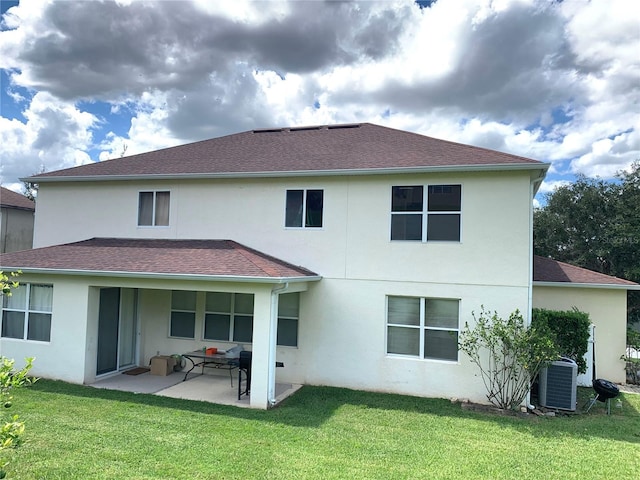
column 244, row 368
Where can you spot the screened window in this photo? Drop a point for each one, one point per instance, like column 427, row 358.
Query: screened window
column 431, row 214
column 153, row 209
column 304, row 208
column 183, row 314
column 26, row 314
column 288, row 316
column 423, row 327
column 228, row 317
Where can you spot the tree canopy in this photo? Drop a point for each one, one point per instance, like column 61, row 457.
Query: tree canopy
column 595, row 224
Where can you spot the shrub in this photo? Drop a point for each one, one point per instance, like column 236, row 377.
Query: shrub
column 570, row 331
column 508, row 353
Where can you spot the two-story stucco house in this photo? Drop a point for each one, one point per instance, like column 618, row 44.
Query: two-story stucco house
column 354, row 254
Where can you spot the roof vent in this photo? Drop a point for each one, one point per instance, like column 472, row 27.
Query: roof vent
column 303, row 129
column 350, row 125
column 268, row 130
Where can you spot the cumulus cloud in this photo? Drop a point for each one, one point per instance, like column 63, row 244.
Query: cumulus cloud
column 555, row 81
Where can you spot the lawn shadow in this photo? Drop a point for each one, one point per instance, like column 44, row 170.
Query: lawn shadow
column 313, row 406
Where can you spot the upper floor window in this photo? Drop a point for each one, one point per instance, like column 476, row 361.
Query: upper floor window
column 153, row 209
column 431, row 214
column 423, row 327
column 304, row 208
column 26, row 314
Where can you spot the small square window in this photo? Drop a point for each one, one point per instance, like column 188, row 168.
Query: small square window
column 304, row 208
column 153, row 209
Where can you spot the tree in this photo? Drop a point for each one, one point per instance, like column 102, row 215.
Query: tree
column 595, row 224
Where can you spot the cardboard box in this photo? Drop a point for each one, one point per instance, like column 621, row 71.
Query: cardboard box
column 162, row 365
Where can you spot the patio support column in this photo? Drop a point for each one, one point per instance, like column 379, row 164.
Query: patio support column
column 261, row 349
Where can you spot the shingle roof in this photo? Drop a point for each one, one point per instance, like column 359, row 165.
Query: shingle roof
column 335, row 148
column 193, row 258
column 548, row 270
column 9, row 198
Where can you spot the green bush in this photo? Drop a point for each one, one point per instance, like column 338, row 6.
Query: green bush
column 508, row 353
column 569, row 329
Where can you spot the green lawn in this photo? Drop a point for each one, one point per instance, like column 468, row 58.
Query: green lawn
column 81, row 432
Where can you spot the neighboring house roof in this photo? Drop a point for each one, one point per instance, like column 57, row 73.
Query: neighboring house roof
column 547, row 271
column 185, row 259
column 11, row 199
column 361, row 148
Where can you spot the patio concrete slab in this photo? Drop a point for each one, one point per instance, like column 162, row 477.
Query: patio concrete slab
column 214, row 387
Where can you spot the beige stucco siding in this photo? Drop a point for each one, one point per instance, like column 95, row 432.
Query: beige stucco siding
column 607, row 309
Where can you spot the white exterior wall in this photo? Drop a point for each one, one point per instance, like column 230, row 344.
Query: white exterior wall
column 495, row 224
column 64, row 356
column 607, row 309
column 342, row 325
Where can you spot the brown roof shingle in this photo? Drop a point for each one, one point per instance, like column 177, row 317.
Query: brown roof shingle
column 217, row 258
column 341, row 148
column 11, row 199
column 548, row 270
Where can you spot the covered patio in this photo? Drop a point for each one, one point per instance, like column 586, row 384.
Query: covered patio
column 213, row 388
column 124, row 301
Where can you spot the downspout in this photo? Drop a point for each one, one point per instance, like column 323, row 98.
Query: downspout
column 533, row 188
column 273, row 332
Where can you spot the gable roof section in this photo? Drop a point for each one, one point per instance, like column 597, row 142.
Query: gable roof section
column 336, row 149
column 186, row 259
column 11, row 199
column 547, row 271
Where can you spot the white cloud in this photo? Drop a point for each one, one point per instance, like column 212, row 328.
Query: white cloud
column 485, row 72
column 55, row 135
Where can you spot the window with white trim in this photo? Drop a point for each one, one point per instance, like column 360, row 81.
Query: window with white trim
column 153, row 209
column 304, row 208
column 183, row 314
column 423, row 327
column 426, row 214
column 26, row 314
column 228, row 317
column 288, row 318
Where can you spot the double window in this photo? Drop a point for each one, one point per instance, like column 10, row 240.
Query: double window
column 153, row 209
column 228, row 317
column 26, row 314
column 426, row 214
column 304, row 209
column 423, row 327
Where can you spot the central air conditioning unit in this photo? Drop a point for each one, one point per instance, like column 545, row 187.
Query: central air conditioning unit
column 557, row 386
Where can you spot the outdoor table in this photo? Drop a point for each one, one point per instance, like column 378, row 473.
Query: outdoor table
column 199, row 358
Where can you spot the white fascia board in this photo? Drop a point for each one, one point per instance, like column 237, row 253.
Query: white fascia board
column 610, row 286
column 297, row 173
column 169, row 276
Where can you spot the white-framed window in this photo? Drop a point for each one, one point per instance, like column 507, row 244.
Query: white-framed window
column 426, row 214
column 423, row 327
column 288, row 319
column 153, row 209
column 304, row 208
column 228, row 317
column 183, row 314
column 26, row 314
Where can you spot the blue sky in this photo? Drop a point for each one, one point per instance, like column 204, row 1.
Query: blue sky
column 84, row 81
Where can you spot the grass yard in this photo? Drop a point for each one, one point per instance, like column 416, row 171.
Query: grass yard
column 76, row 432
